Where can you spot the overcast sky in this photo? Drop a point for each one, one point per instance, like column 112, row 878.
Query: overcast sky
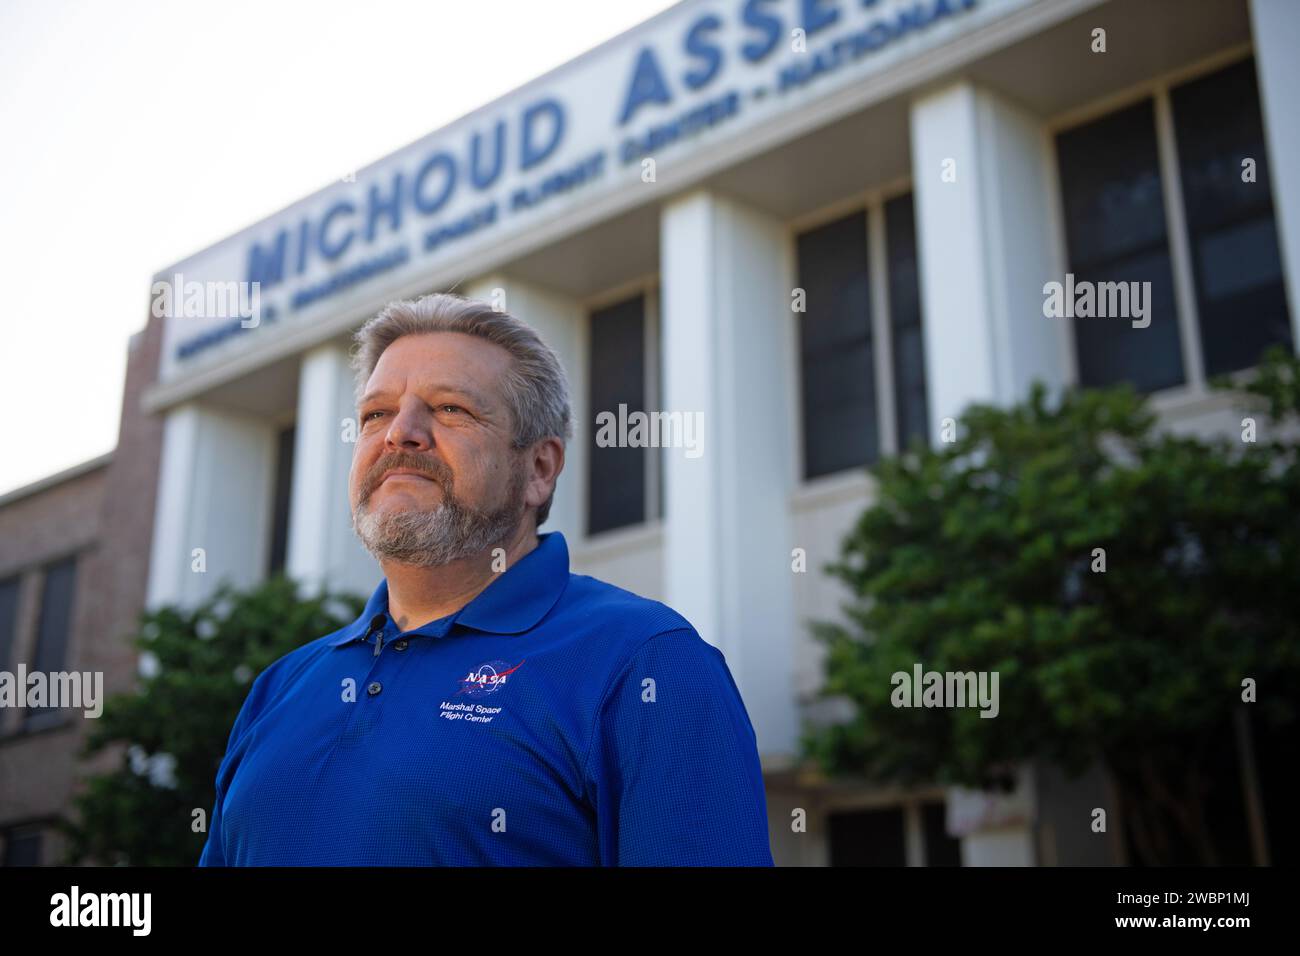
column 135, row 134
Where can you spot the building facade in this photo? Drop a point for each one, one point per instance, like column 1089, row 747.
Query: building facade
column 74, row 560
column 818, row 229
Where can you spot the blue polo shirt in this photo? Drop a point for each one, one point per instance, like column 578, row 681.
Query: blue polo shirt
column 555, row 720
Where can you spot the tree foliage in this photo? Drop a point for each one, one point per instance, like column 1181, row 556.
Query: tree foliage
column 177, row 721
column 982, row 555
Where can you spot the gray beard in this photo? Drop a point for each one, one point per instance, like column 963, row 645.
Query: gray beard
column 430, row 539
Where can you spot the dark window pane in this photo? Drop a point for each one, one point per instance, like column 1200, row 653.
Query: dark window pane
column 283, row 493
column 911, row 411
column 1115, row 232
column 1111, row 350
column 940, row 848
column 616, row 475
column 23, row 848
column 1218, row 124
column 1110, row 179
column 867, row 838
column 8, row 618
column 836, row 353
column 1240, row 291
column 55, row 625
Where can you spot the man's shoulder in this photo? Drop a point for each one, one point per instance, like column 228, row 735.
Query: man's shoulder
column 622, row 616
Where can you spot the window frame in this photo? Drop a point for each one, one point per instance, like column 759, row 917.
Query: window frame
column 7, row 654
column 1194, row 391
column 909, row 800
column 646, row 286
column 29, row 721
column 19, row 828
column 872, row 202
column 281, row 424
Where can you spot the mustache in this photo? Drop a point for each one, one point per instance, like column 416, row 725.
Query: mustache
column 430, row 468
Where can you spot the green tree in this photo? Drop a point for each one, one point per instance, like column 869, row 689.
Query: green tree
column 177, row 721
column 982, row 555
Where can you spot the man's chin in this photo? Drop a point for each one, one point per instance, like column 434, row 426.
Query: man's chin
column 407, row 489
column 388, row 506
column 414, row 494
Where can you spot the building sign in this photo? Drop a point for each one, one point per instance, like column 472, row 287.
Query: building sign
column 699, row 74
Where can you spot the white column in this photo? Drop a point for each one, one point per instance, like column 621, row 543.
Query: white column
column 213, row 513
column 727, row 335
column 1276, row 28
column 559, row 320
column 986, row 247
column 323, row 551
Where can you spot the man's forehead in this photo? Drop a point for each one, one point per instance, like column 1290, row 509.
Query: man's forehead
column 466, row 372
column 428, row 382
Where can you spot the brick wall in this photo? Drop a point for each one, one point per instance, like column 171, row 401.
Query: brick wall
column 103, row 512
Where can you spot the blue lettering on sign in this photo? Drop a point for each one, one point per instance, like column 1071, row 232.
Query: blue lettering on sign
column 694, row 121
column 432, row 183
column 461, row 227
column 753, row 15
column 648, row 85
column 430, row 187
column 389, row 207
column 816, row 15
column 267, row 266
column 438, row 162
column 875, row 35
column 350, row 276
column 331, row 250
column 559, row 182
column 548, row 111
column 697, row 45
column 480, row 179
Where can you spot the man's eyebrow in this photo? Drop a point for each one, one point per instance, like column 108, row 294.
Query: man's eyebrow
column 469, row 393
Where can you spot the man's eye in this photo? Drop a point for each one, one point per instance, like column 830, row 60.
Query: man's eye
column 455, row 408
column 369, row 415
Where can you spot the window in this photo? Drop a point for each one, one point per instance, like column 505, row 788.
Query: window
column 23, row 847
column 940, row 848
column 1226, row 265
column 617, row 476
column 838, row 378
column 283, row 496
column 868, row 838
column 55, row 627
column 890, row 836
column 860, row 307
column 8, row 618
column 911, row 409
column 1237, row 268
column 1115, row 232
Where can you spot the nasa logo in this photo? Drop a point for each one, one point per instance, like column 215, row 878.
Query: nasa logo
column 487, row 678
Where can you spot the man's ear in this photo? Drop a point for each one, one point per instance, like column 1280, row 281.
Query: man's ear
column 545, row 462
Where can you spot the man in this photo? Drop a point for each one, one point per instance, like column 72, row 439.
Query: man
column 488, row 707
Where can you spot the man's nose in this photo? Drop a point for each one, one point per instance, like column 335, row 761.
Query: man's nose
column 410, row 428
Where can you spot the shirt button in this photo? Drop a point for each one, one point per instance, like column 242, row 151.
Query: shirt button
column 374, row 688
column 400, row 645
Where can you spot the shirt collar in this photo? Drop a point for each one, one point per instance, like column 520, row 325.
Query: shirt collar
column 512, row 604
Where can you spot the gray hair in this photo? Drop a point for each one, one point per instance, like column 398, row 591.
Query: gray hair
column 536, row 389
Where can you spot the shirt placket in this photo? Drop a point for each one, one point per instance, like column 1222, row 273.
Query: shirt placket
column 385, row 645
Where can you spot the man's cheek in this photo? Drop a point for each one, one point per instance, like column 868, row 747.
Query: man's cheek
column 356, row 479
